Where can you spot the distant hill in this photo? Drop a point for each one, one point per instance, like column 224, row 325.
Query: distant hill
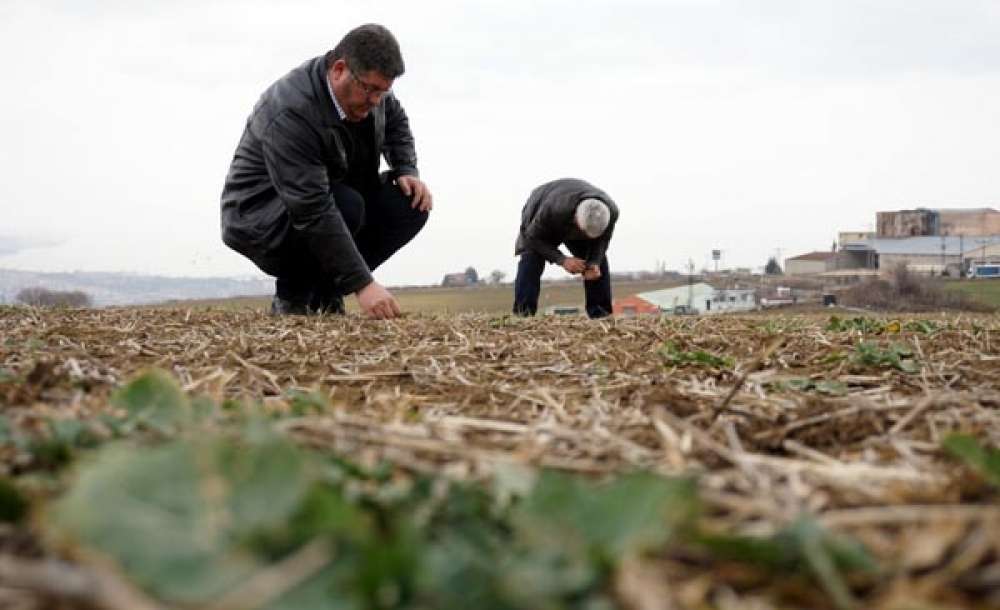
column 132, row 289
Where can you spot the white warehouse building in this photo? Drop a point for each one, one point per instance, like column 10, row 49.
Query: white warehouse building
column 701, row 298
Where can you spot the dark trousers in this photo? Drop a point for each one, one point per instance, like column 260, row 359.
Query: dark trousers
column 528, row 283
column 381, row 222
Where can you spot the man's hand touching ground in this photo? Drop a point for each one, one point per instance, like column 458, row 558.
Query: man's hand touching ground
column 417, row 191
column 592, row 272
column 377, row 302
column 574, row 265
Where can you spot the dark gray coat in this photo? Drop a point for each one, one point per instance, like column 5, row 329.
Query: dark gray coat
column 292, row 149
column 547, row 220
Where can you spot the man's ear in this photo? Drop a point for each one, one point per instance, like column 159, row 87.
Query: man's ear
column 337, row 68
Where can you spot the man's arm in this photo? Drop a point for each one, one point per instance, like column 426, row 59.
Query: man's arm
column 546, row 250
column 401, row 154
column 293, row 156
column 537, row 236
column 398, row 147
column 600, row 247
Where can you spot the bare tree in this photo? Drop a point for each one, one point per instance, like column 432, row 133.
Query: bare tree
column 497, row 276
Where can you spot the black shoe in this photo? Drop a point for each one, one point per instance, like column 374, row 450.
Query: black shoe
column 326, row 300
column 284, row 307
column 525, row 311
column 333, row 306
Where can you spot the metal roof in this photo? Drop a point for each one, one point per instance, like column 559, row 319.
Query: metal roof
column 668, row 298
column 953, row 245
column 813, row 256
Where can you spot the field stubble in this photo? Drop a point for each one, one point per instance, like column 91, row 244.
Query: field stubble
column 778, row 416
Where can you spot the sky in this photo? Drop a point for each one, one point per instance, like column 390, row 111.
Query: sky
column 757, row 127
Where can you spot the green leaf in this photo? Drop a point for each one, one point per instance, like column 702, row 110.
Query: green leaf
column 805, row 384
column 320, row 592
column 819, row 557
column 203, row 410
column 984, row 461
column 13, row 505
column 154, row 399
column 632, row 513
column 831, row 387
column 73, row 433
column 922, row 326
column 506, row 320
column 512, row 481
column 898, row 356
column 47, row 452
column 783, row 550
column 54, row 447
column 834, row 357
column 803, row 545
column 307, row 403
column 673, row 355
column 861, row 324
column 176, row 517
column 800, row 384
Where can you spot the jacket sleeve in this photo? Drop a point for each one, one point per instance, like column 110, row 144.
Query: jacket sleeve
column 399, row 147
column 293, row 155
column 599, row 248
column 534, row 237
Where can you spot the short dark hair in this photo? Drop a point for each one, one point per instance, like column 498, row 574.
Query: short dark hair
column 369, row 47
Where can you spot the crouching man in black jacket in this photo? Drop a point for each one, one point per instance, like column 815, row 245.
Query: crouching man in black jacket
column 571, row 212
column 304, row 199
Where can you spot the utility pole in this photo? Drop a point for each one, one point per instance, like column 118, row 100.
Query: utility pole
column 961, row 255
column 690, row 285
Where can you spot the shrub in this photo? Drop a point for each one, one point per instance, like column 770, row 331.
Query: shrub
column 43, row 297
column 906, row 291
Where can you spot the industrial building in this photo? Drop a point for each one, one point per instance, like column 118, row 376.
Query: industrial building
column 970, row 222
column 952, row 242
column 699, row 298
column 811, row 263
column 848, row 236
column 933, row 255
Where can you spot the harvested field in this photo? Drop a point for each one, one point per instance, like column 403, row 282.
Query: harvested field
column 823, row 432
column 484, row 298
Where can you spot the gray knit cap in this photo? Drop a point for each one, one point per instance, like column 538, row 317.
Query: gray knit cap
column 592, row 217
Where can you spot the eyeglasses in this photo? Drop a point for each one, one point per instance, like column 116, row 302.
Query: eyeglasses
column 369, row 89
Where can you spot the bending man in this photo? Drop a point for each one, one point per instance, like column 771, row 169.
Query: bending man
column 304, row 199
column 579, row 215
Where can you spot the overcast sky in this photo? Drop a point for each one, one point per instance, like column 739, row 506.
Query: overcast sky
column 744, row 125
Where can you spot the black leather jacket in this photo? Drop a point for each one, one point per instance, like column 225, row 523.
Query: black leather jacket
column 292, row 149
column 548, row 219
